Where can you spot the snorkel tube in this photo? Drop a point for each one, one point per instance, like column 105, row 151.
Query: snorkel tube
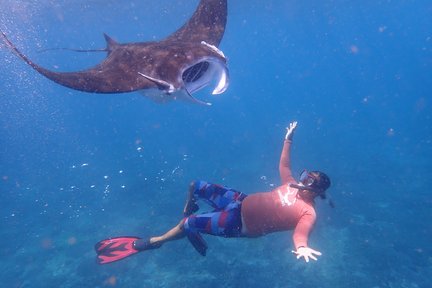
column 308, row 188
column 302, row 187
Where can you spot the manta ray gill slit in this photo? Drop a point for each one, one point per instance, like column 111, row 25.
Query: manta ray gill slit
column 195, row 72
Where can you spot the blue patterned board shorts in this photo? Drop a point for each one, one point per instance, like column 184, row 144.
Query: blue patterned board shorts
column 225, row 219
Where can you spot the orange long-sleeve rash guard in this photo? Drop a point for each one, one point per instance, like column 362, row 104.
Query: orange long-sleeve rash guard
column 281, row 209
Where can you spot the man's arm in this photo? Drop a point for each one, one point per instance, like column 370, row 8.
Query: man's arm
column 301, row 235
column 284, row 162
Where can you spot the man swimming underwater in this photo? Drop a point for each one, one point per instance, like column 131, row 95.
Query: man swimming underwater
column 288, row 207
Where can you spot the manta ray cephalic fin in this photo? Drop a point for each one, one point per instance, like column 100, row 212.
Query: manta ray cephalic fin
column 163, row 85
column 169, row 88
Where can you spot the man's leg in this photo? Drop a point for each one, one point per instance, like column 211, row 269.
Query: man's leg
column 217, row 196
column 175, row 233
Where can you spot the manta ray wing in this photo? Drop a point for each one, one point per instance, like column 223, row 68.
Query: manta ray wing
column 206, row 24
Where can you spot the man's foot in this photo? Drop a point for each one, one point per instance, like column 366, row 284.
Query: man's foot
column 144, row 244
column 190, row 208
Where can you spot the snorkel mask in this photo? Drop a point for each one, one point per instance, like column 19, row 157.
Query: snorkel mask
column 307, row 182
column 308, row 179
column 314, row 181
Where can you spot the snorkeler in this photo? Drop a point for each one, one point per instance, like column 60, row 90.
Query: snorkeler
column 288, row 207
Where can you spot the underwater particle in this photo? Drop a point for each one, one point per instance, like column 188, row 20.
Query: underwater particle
column 106, row 191
column 139, row 149
column 46, row 243
column 354, row 49
column 174, row 170
column 73, row 166
column 121, row 172
column 419, row 250
column 420, row 104
column 92, row 186
column 105, row 177
column 123, row 186
column 382, row 28
column 72, row 240
column 5, row 177
column 263, row 177
column 112, row 281
column 390, row 132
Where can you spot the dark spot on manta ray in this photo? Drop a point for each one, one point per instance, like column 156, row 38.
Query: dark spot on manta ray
column 173, row 68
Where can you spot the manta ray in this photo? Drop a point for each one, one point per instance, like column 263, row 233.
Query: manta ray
column 173, row 68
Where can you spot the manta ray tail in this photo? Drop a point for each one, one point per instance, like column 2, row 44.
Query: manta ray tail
column 74, row 50
column 111, row 45
column 12, row 47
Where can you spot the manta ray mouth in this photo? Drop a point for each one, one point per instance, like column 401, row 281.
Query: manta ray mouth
column 203, row 73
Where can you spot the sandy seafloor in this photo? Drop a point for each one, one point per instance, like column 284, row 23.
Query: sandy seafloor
column 77, row 167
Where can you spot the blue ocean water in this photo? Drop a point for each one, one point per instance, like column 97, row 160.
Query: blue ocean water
column 77, row 167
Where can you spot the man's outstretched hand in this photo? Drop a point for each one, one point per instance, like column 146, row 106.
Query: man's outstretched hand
column 290, row 130
column 306, row 253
